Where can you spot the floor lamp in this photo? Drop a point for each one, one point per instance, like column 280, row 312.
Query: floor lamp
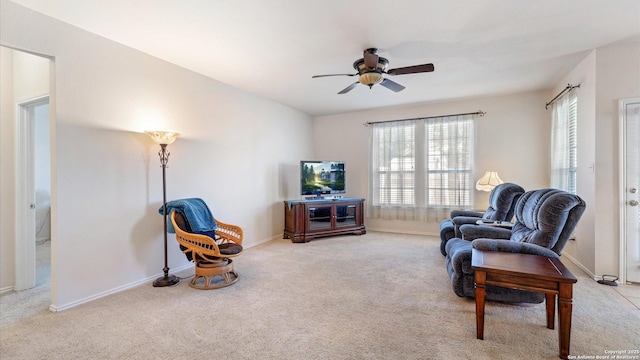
column 164, row 138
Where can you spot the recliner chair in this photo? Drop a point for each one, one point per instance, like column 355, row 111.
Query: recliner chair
column 502, row 201
column 545, row 219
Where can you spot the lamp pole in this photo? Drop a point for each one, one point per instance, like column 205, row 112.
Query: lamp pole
column 164, row 138
column 166, row 280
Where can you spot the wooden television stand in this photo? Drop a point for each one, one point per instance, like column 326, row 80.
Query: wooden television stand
column 305, row 220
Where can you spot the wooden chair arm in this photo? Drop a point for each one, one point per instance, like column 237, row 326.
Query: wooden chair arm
column 229, row 232
column 198, row 245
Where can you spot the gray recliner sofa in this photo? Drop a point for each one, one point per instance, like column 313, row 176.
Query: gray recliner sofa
column 502, row 201
column 545, row 219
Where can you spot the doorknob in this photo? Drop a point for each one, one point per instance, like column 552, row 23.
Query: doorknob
column 633, row 202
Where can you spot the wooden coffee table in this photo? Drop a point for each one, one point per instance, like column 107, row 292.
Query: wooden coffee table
column 526, row 272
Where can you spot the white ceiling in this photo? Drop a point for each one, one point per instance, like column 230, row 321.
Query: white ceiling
column 273, row 47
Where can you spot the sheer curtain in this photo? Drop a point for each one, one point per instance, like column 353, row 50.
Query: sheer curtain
column 449, row 159
column 392, row 170
column 421, row 169
column 564, row 143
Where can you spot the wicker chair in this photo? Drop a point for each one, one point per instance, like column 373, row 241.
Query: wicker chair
column 214, row 268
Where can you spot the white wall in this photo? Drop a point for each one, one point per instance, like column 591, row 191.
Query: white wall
column 237, row 153
column 512, row 138
column 30, row 76
column 583, row 249
column 608, row 74
column 617, row 77
column 7, row 219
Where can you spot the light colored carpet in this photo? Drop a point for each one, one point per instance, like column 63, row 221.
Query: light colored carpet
column 19, row 306
column 376, row 296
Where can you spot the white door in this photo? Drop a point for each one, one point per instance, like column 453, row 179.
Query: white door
column 25, row 194
column 630, row 112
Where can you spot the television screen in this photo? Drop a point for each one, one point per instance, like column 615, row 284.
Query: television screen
column 322, row 177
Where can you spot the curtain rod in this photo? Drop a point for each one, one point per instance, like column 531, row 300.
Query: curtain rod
column 567, row 89
column 479, row 112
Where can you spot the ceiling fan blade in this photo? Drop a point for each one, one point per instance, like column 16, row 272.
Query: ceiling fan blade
column 318, row 76
column 392, row 85
column 349, row 88
column 370, row 60
column 411, row 69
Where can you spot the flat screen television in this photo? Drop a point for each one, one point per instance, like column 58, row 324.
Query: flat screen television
column 322, row 177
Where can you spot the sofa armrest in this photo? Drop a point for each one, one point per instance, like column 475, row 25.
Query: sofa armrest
column 472, row 232
column 513, row 247
column 459, row 255
column 461, row 220
column 473, row 213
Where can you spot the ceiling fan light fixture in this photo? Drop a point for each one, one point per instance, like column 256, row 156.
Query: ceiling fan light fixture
column 371, row 67
column 370, row 78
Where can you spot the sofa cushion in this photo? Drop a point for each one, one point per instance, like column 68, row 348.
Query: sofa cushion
column 512, row 246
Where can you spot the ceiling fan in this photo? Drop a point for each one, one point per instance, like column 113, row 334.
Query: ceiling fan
column 371, row 67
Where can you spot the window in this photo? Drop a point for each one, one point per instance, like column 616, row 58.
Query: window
column 394, row 159
column 421, row 169
column 564, row 145
column 449, row 162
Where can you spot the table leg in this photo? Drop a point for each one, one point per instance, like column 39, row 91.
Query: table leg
column 565, row 306
column 551, row 310
column 481, row 280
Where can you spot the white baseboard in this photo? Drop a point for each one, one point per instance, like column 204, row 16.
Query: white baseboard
column 403, row 232
column 150, row 279
column 256, row 243
column 582, row 267
column 7, row 289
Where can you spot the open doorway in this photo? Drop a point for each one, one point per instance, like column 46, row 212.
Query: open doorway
column 25, row 187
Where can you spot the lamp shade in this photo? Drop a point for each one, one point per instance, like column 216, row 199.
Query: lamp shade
column 488, row 181
column 370, row 78
column 163, row 137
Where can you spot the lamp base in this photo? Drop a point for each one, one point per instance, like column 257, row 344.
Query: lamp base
column 168, row 280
